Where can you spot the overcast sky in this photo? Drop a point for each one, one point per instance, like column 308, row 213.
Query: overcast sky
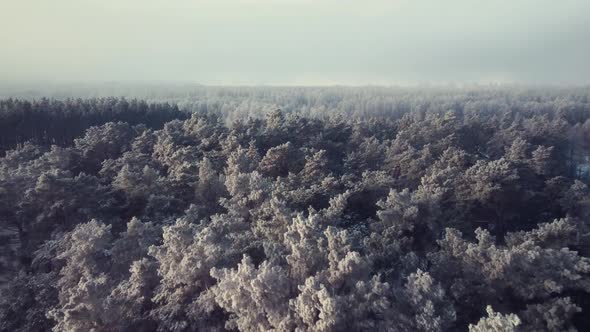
column 296, row 42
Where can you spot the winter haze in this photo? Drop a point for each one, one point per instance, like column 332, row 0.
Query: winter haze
column 296, row 42
column 294, row 166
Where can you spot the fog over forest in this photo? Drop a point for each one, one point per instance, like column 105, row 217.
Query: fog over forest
column 294, row 165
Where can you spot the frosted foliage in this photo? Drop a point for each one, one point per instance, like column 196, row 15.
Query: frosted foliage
column 277, row 161
column 133, row 244
column 185, row 258
column 306, row 246
column 518, row 151
column 82, row 286
column 297, row 209
column 320, row 308
column 315, row 308
column 209, row 188
column 558, row 234
column 127, row 301
column 496, row 322
column 432, row 311
column 315, row 166
column 257, row 297
column 486, row 178
column 242, row 160
column 557, row 270
column 398, row 212
column 541, row 160
column 555, row 315
column 138, row 184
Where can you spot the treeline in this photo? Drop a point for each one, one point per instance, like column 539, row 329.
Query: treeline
column 47, row 121
column 448, row 217
column 366, row 101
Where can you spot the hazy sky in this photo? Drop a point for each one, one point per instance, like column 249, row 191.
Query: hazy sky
column 306, row 42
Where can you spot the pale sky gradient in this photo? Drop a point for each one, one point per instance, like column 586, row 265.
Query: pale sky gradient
column 296, row 42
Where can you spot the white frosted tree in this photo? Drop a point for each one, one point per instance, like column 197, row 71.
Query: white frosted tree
column 496, row 322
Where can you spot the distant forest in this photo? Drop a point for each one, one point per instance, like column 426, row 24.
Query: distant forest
column 296, row 209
